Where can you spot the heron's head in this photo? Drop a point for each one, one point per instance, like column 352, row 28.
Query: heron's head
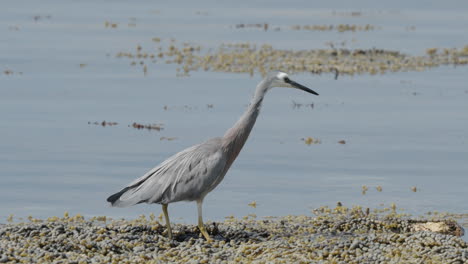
column 281, row 79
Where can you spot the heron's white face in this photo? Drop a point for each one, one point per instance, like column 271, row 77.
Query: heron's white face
column 282, row 80
column 281, row 75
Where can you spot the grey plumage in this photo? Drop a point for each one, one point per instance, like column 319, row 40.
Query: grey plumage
column 194, row 172
column 182, row 177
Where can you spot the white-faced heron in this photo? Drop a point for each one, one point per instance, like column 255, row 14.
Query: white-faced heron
column 194, row 172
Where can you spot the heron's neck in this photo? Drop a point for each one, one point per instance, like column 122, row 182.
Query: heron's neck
column 236, row 136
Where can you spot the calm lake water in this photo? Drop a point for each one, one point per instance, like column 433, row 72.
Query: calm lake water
column 401, row 130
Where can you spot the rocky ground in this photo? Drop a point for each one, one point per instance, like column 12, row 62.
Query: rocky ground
column 338, row 235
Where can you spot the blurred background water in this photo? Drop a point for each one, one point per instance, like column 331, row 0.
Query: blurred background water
column 401, row 129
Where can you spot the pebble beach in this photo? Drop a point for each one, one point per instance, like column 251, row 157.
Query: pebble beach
column 339, row 235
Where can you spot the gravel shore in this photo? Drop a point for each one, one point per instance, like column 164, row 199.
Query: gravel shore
column 338, row 235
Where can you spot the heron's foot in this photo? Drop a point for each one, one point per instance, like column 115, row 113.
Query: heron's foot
column 168, row 233
column 170, row 236
column 204, row 233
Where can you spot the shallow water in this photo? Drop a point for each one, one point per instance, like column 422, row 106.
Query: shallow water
column 401, row 130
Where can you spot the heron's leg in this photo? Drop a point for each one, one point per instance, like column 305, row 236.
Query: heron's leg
column 201, row 226
column 168, row 224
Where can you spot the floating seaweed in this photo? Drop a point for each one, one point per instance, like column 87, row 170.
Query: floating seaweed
column 309, row 141
column 157, row 127
column 103, row 123
column 11, row 72
column 253, row 204
column 296, row 105
column 250, row 58
column 109, row 24
column 263, row 26
column 339, row 28
column 40, row 17
column 167, row 138
column 364, row 189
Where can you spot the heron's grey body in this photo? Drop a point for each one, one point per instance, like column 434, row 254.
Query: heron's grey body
column 194, row 172
column 186, row 176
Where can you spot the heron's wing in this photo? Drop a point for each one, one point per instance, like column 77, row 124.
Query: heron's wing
column 188, row 175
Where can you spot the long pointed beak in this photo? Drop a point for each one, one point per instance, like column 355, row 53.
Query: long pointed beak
column 300, row 86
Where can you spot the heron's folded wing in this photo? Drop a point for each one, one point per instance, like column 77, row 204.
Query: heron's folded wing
column 181, row 177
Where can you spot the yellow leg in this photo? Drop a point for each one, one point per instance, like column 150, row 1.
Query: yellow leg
column 201, row 226
column 168, row 224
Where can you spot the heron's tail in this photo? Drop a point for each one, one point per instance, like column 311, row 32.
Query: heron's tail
column 117, row 202
column 139, row 191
